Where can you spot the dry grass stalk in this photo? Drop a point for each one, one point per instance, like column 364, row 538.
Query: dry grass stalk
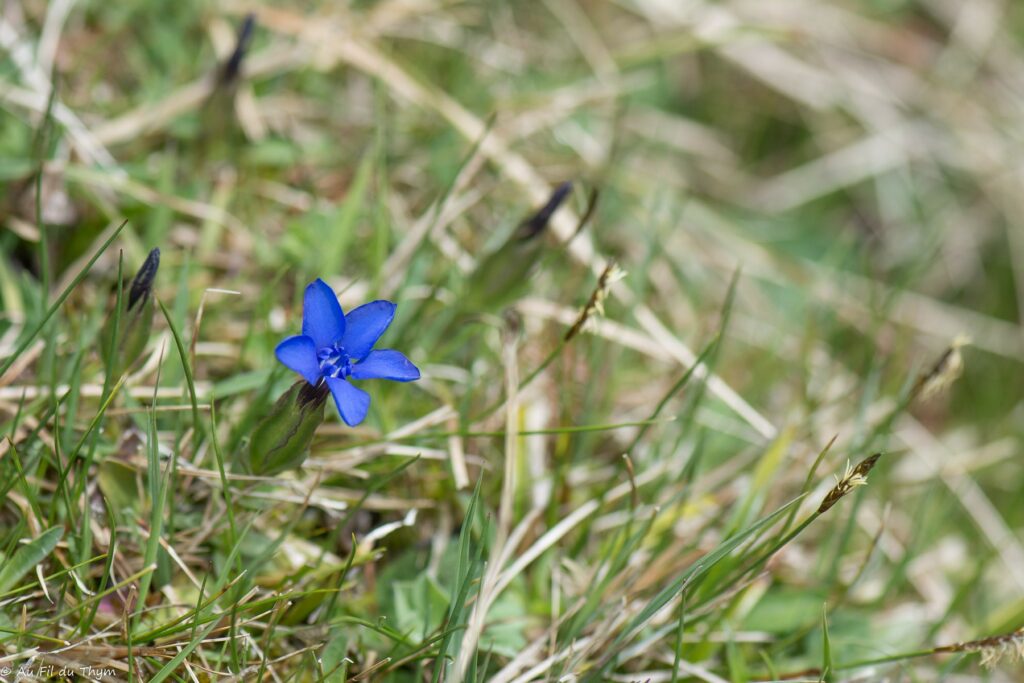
column 945, row 371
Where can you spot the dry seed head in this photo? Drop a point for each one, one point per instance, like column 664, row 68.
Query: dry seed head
column 1009, row 646
column 851, row 479
column 945, row 371
column 610, row 275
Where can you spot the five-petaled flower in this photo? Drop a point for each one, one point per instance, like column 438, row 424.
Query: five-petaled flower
column 335, row 348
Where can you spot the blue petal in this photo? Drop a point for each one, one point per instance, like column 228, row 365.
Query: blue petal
column 386, row 364
column 352, row 402
column 365, row 326
column 299, row 354
column 322, row 318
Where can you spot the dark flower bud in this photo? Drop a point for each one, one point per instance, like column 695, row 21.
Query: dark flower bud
column 501, row 276
column 142, row 283
column 281, row 440
column 126, row 332
column 232, row 66
column 535, row 224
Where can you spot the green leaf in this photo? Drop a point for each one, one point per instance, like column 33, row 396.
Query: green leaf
column 28, row 556
column 785, row 610
column 119, row 483
column 333, row 658
column 420, row 606
column 826, row 647
column 333, row 251
column 468, row 565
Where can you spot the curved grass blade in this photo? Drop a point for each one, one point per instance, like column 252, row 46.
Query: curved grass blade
column 695, row 571
column 28, row 556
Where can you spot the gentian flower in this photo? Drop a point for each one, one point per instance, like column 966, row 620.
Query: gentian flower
column 335, row 348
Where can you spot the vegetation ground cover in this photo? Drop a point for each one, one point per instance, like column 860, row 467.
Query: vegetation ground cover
column 643, row 446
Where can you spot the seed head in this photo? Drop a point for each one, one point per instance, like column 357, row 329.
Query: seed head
column 1009, row 646
column 944, row 371
column 595, row 305
column 852, row 478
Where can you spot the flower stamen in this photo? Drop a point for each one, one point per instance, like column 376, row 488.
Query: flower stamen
column 334, row 362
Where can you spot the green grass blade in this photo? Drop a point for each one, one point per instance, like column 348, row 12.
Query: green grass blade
column 28, row 556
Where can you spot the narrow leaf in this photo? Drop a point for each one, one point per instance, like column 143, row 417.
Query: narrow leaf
column 28, row 556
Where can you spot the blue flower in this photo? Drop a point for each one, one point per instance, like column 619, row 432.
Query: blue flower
column 335, row 348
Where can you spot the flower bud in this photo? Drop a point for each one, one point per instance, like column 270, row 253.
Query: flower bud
column 232, row 66
column 502, row 276
column 134, row 322
column 281, row 440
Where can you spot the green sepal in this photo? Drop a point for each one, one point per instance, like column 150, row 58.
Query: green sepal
column 281, row 440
